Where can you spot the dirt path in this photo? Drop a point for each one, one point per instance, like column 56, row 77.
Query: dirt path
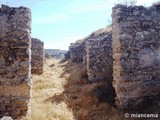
column 45, row 87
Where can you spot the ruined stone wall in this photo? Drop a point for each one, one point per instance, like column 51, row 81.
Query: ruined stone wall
column 15, row 57
column 77, row 51
column 37, row 56
column 67, row 55
column 99, row 56
column 136, row 53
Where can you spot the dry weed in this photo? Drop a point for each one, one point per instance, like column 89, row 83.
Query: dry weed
column 62, row 92
column 83, row 98
column 44, row 87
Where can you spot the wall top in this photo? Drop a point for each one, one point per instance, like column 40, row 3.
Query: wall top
column 136, row 7
column 12, row 10
column 122, row 12
column 37, row 40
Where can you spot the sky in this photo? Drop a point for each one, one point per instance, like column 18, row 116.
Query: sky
column 61, row 22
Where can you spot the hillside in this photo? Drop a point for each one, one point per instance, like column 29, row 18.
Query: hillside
column 56, row 53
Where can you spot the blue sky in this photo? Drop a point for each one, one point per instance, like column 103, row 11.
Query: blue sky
column 61, row 22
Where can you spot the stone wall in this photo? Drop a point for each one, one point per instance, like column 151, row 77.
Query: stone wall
column 77, row 51
column 67, row 55
column 37, row 56
column 15, row 57
column 99, row 55
column 136, row 53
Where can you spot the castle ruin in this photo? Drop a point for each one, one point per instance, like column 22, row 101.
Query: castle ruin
column 15, row 60
column 77, row 51
column 37, row 50
column 136, row 53
column 99, row 56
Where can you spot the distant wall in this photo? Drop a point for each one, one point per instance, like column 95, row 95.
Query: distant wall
column 37, row 56
column 77, row 51
column 67, row 55
column 15, row 58
column 136, row 53
column 99, row 57
column 56, row 53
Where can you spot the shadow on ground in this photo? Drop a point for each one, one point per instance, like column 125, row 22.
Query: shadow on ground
column 94, row 101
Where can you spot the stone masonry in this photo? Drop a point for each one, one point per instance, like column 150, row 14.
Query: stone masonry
column 136, row 53
column 77, row 51
column 37, row 49
column 15, row 57
column 67, row 55
column 99, row 56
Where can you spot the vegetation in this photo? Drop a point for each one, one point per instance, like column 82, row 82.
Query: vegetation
column 45, row 87
column 58, row 95
column 88, row 101
column 62, row 92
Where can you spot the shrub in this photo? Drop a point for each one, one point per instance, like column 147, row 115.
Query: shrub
column 47, row 55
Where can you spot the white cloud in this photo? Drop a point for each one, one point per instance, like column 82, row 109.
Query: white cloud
column 91, row 8
column 64, row 43
column 83, row 6
column 50, row 19
column 145, row 2
column 78, row 6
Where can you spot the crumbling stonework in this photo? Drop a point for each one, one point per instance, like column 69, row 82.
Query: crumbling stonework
column 15, row 58
column 67, row 55
column 37, row 56
column 77, row 51
column 99, row 55
column 136, row 53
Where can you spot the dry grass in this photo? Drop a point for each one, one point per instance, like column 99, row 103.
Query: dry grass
column 83, row 98
column 44, row 87
column 94, row 101
column 62, row 92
